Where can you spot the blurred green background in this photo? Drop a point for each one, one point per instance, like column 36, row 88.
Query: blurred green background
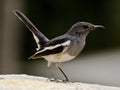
column 53, row 18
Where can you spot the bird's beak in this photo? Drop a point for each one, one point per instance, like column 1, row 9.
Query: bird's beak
column 96, row 27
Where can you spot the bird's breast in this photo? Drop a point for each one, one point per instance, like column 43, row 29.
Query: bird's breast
column 76, row 47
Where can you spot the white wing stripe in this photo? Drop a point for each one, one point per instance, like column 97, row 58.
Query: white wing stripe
column 53, row 47
column 37, row 41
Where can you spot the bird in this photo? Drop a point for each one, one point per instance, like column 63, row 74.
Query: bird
column 62, row 48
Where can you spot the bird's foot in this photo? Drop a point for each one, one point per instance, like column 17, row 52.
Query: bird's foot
column 59, row 81
column 53, row 79
column 68, row 81
column 56, row 80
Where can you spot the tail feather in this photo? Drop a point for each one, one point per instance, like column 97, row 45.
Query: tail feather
column 34, row 57
column 40, row 38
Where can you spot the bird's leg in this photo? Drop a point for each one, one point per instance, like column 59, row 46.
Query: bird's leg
column 58, row 66
column 54, row 78
column 66, row 78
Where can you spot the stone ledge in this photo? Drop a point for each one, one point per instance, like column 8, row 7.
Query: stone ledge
column 27, row 82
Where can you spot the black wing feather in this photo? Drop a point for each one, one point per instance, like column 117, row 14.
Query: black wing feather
column 53, row 43
column 49, row 52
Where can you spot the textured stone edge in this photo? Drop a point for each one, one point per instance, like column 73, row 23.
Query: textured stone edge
column 27, row 82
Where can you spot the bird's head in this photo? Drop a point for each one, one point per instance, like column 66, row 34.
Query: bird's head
column 84, row 27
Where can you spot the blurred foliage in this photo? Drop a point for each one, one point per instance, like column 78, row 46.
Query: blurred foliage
column 55, row 17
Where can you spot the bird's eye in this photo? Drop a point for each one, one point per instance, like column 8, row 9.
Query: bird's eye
column 85, row 26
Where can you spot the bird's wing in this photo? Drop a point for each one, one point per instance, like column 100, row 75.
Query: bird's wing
column 40, row 39
column 52, row 47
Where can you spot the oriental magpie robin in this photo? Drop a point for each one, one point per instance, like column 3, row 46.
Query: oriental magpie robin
column 62, row 48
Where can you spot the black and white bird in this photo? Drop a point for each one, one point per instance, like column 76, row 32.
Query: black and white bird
column 62, row 48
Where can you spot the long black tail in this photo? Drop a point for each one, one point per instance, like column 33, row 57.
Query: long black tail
column 40, row 38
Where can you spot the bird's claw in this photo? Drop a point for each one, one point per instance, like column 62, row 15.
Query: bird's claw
column 58, row 80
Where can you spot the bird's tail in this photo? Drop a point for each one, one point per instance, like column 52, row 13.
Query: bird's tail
column 34, row 56
column 40, row 38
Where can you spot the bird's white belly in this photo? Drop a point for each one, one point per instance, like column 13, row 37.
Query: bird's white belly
column 61, row 57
